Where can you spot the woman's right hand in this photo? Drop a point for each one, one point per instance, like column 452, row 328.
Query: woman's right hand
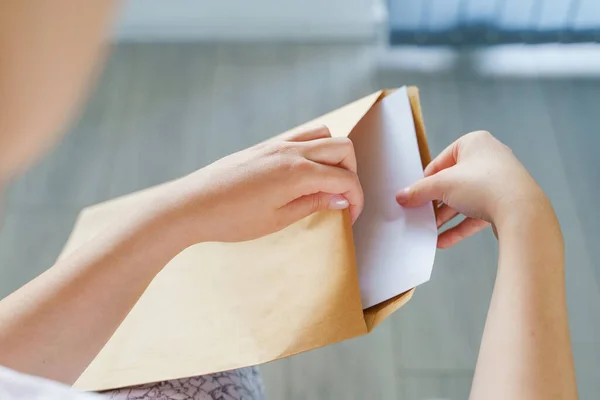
column 476, row 176
column 263, row 189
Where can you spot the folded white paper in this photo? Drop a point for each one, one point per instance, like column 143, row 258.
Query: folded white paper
column 395, row 246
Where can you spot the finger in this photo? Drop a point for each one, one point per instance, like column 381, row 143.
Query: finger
column 427, row 189
column 331, row 151
column 446, row 159
column 309, row 204
column 468, row 227
column 444, row 214
column 318, row 132
column 334, row 180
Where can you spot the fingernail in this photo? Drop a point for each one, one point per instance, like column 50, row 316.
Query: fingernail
column 402, row 195
column 338, row 202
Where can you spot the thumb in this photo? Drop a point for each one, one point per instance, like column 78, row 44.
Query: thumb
column 423, row 191
column 309, row 204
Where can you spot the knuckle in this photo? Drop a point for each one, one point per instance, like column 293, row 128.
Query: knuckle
column 490, row 140
column 299, row 167
column 316, row 203
column 302, row 165
column 324, row 130
column 346, row 143
column 301, row 176
column 284, row 153
column 441, row 180
column 413, row 192
column 356, row 182
column 482, row 134
column 280, row 162
column 356, row 187
column 346, row 178
column 433, row 187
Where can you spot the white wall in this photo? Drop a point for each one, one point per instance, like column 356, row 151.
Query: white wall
column 249, row 19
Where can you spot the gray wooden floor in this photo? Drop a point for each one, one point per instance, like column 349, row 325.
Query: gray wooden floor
column 160, row 111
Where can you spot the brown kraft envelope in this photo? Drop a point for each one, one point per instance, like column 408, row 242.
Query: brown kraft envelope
column 220, row 306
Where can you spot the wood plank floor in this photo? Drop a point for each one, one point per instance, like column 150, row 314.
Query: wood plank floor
column 160, row 111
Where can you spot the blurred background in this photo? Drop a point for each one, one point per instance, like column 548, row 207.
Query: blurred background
column 189, row 81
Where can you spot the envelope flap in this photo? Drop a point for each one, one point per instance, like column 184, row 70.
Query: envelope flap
column 253, row 295
column 342, row 120
column 415, row 104
column 378, row 313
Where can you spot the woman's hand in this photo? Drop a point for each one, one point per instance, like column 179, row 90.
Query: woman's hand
column 525, row 350
column 476, row 176
column 267, row 187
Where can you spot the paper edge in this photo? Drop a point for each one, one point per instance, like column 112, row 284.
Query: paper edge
column 374, row 315
column 369, row 101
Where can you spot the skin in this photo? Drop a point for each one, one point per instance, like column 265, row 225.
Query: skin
column 55, row 325
column 526, row 351
column 50, row 50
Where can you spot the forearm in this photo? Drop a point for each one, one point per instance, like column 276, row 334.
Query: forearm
column 56, row 324
column 526, row 351
column 48, row 52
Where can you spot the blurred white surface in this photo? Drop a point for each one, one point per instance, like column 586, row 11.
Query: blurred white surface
column 518, row 60
column 151, row 20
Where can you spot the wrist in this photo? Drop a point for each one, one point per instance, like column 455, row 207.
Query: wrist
column 178, row 209
column 156, row 219
column 531, row 237
column 522, row 213
column 518, row 201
